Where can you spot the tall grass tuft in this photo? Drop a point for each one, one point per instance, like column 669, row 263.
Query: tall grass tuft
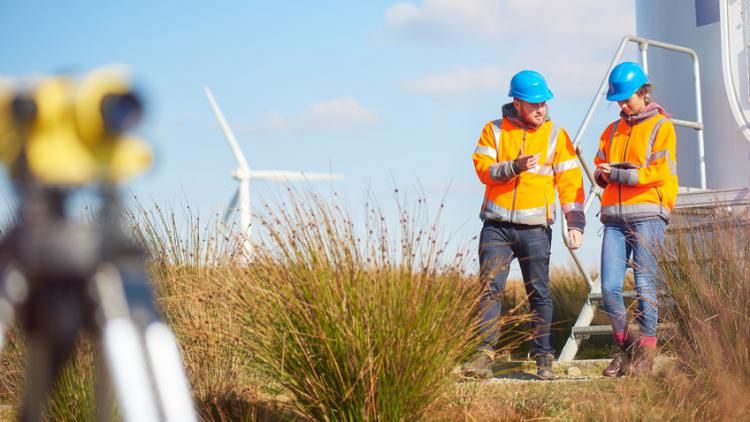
column 357, row 325
column 73, row 396
column 194, row 271
column 182, row 240
column 706, row 269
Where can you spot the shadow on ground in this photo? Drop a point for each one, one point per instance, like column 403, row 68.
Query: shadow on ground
column 236, row 408
column 514, row 370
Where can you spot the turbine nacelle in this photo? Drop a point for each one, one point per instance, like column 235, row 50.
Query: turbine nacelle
column 241, row 199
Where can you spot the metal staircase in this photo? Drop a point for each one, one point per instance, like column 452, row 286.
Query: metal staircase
column 582, row 329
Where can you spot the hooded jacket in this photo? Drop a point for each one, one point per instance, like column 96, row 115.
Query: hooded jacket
column 642, row 152
column 529, row 197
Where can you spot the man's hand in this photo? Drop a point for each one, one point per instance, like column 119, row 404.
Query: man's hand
column 526, row 162
column 575, row 239
column 605, row 169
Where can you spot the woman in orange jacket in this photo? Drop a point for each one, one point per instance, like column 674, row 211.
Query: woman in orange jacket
column 636, row 166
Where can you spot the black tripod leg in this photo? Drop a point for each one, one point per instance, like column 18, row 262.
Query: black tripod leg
column 52, row 318
column 43, row 363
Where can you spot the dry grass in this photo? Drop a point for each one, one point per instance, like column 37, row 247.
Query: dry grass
column 597, row 400
column 356, row 326
column 333, row 322
column 706, row 270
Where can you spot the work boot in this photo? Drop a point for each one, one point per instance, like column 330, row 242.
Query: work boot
column 642, row 362
column 481, row 366
column 619, row 364
column 544, row 366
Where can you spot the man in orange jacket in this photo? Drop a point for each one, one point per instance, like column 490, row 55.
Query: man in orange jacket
column 521, row 159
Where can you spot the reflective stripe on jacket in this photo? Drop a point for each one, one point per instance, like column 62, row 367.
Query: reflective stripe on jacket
column 649, row 189
column 528, row 198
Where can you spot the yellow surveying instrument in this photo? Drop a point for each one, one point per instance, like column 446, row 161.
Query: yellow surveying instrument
column 57, row 276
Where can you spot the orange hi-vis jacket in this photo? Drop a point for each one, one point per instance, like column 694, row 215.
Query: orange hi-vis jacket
column 528, row 198
column 643, row 182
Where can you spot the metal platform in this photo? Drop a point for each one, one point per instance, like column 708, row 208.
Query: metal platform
column 733, row 201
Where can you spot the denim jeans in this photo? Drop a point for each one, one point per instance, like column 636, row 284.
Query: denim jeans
column 499, row 243
column 621, row 240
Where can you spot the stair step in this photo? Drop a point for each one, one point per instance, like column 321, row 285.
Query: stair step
column 591, row 330
column 607, row 329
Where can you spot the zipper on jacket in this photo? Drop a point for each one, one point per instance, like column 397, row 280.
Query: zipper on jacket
column 518, row 181
column 661, row 203
column 619, row 186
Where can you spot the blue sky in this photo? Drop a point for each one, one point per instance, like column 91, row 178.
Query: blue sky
column 386, row 93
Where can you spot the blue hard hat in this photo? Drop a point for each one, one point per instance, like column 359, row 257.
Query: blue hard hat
column 529, row 86
column 624, row 80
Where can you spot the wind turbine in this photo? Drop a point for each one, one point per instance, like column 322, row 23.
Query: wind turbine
column 243, row 174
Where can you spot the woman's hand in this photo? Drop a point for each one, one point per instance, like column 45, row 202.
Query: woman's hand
column 605, row 170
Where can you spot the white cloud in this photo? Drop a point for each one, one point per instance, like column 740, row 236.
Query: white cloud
column 338, row 113
column 332, row 115
column 570, row 42
column 403, row 14
column 594, row 23
column 274, row 120
column 460, row 80
column 567, row 77
column 476, row 17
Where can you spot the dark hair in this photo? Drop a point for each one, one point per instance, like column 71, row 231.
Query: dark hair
column 645, row 92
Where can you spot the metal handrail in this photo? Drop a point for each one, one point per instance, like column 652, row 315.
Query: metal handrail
column 587, row 312
column 644, row 43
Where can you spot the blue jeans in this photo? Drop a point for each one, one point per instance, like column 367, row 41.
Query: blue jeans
column 641, row 240
column 499, row 243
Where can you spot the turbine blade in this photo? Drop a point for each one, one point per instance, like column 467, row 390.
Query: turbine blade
column 232, row 207
column 238, row 155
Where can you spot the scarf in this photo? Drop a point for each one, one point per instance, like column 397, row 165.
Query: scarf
column 650, row 111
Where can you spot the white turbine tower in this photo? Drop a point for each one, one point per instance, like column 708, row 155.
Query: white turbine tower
column 244, row 175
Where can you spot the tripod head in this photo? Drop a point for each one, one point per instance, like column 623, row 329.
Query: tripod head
column 62, row 132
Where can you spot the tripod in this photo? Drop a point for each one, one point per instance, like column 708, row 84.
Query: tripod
column 59, row 277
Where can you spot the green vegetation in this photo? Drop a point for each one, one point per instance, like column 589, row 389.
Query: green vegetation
column 355, row 328
column 706, row 271
column 331, row 321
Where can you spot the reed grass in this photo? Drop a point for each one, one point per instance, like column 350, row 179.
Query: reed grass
column 331, row 320
column 705, row 269
column 354, row 324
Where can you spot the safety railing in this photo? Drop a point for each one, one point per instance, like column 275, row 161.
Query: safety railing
column 582, row 327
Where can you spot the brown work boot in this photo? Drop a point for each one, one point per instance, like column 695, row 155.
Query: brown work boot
column 481, row 366
column 619, row 364
column 544, row 366
column 642, row 362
